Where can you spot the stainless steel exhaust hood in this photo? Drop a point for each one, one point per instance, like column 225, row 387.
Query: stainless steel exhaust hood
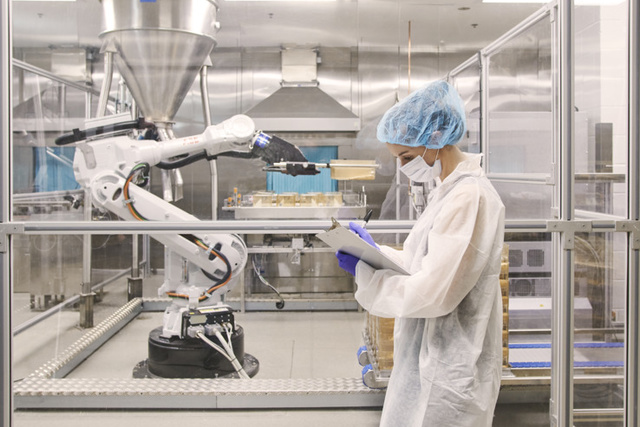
column 299, row 105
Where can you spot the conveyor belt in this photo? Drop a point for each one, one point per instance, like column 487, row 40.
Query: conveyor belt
column 576, row 345
column 529, row 355
column 591, row 364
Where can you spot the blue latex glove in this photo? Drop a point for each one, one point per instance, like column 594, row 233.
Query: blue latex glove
column 347, row 262
column 363, row 233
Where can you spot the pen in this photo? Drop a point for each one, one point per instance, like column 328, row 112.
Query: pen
column 367, row 217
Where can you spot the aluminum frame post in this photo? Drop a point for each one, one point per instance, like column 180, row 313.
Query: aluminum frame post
column 561, row 407
column 632, row 338
column 6, row 413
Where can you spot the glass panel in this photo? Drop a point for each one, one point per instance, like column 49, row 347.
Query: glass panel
column 601, row 109
column 527, row 329
column 524, row 200
column 467, row 83
column 599, row 306
column 47, row 273
column 48, row 268
column 43, row 110
column 600, row 294
column 601, row 143
column 520, row 123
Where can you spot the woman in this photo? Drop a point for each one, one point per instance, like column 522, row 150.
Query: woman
column 448, row 329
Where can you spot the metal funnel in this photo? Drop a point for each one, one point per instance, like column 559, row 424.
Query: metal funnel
column 159, row 47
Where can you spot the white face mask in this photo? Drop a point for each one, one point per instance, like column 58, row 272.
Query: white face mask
column 418, row 170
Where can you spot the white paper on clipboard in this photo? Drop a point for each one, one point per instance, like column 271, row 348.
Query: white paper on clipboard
column 343, row 239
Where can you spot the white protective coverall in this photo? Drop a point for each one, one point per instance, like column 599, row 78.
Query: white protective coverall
column 448, row 329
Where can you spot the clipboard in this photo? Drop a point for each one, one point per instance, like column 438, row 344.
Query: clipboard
column 343, row 239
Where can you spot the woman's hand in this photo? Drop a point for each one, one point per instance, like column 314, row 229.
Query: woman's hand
column 347, row 262
column 363, row 233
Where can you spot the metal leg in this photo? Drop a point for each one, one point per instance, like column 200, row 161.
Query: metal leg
column 86, row 296
column 134, row 283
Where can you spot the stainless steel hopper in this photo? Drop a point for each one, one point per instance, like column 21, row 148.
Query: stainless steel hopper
column 159, row 47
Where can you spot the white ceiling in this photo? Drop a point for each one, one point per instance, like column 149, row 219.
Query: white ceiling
column 434, row 23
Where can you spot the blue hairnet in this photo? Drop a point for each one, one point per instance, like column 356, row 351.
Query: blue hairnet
column 432, row 116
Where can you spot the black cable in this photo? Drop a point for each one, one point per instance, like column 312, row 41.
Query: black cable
column 78, row 135
column 181, row 162
column 280, row 303
column 213, row 253
column 184, row 161
column 135, row 172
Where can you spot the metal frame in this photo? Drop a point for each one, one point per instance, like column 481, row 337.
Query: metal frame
column 6, row 414
column 562, row 381
column 562, row 374
column 475, row 60
column 632, row 364
column 98, row 393
column 174, row 227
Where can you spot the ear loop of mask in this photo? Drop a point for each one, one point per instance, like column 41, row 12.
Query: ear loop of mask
column 416, row 197
column 416, row 190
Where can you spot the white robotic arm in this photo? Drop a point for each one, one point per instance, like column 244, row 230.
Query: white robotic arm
column 120, row 154
column 234, row 134
column 197, row 268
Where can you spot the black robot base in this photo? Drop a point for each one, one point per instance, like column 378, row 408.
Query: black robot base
column 193, row 358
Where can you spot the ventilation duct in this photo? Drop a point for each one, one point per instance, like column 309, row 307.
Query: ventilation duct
column 299, row 105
